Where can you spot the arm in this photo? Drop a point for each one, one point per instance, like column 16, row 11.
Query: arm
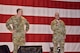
column 9, row 21
column 27, row 24
column 64, row 32
column 64, row 29
column 53, row 25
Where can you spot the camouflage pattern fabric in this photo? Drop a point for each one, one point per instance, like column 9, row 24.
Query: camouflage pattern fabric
column 58, row 28
column 17, row 24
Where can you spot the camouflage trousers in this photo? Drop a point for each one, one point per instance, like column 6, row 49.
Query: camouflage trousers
column 58, row 43
column 18, row 40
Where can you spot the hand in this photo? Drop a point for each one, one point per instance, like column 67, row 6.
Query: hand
column 65, row 37
column 13, row 31
column 24, row 31
column 58, row 22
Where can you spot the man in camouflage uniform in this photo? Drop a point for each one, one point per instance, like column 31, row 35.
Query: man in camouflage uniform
column 58, row 27
column 16, row 24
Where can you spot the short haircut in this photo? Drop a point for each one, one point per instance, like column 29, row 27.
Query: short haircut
column 18, row 9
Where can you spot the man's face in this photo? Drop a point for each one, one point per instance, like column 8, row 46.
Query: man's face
column 20, row 12
column 57, row 15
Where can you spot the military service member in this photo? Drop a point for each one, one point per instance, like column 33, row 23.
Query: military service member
column 16, row 24
column 58, row 27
